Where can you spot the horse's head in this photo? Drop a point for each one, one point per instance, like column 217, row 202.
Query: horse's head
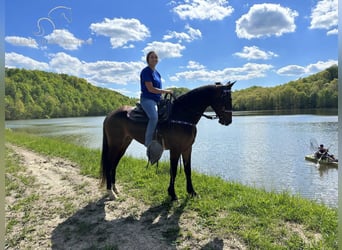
column 222, row 103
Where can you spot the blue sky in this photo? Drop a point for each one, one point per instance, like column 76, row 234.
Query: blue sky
column 198, row 41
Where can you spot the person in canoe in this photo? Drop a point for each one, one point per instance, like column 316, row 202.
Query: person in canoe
column 323, row 153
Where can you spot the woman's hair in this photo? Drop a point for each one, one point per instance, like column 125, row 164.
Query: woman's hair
column 148, row 55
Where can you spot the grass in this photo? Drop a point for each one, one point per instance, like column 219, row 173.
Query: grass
column 261, row 220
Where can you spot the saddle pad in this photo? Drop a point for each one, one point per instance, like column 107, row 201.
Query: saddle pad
column 137, row 114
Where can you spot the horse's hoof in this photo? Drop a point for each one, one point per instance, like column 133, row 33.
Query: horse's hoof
column 111, row 195
column 115, row 190
column 193, row 195
column 175, row 198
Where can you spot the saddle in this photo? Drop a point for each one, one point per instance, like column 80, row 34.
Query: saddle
column 164, row 111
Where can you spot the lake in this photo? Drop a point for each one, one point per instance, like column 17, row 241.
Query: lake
column 263, row 151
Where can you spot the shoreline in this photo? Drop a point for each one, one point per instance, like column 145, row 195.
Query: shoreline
column 228, row 212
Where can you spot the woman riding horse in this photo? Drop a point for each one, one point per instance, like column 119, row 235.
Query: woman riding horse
column 178, row 134
column 151, row 90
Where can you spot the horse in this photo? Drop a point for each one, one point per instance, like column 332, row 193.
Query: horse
column 178, row 134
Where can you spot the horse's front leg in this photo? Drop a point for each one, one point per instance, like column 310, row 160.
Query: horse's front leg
column 174, row 157
column 187, row 169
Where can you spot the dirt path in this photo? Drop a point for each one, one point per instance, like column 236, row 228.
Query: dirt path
column 71, row 212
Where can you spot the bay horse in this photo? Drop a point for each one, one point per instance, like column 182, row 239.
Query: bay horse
column 178, row 135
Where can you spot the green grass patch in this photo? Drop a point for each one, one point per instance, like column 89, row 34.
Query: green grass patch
column 259, row 219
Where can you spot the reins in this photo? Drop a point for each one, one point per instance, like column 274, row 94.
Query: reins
column 211, row 117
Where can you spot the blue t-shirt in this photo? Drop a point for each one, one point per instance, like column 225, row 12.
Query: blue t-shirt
column 149, row 75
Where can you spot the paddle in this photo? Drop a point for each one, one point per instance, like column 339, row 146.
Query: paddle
column 324, row 154
column 317, row 164
column 314, row 147
column 313, row 144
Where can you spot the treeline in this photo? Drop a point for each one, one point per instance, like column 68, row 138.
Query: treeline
column 31, row 94
column 316, row 91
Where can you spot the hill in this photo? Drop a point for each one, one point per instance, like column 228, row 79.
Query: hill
column 316, row 91
column 34, row 94
column 31, row 94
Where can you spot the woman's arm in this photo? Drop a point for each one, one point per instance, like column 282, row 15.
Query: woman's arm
column 154, row 90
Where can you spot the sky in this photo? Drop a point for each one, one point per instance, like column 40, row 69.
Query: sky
column 199, row 42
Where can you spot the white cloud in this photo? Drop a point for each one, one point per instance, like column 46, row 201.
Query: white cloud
column 291, row 70
column 64, row 39
column 189, row 36
column 204, row 9
column 110, row 72
column 325, row 16
column 176, row 35
column 195, row 65
column 98, row 73
column 121, row 31
column 246, row 72
column 66, row 64
column 164, row 49
column 254, row 53
column 14, row 60
column 264, row 20
column 194, row 33
column 332, row 32
column 320, row 65
column 22, row 41
column 296, row 70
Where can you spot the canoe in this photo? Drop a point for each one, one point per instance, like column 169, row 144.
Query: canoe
column 326, row 162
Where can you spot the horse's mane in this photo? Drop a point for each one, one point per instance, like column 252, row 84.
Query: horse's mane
column 190, row 106
column 195, row 95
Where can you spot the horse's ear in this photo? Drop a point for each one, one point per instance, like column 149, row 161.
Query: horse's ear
column 230, row 84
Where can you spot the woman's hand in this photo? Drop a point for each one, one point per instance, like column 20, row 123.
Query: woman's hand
column 167, row 91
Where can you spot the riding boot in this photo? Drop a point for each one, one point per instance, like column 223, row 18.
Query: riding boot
column 154, row 150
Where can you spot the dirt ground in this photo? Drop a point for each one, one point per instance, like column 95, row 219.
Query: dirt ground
column 70, row 211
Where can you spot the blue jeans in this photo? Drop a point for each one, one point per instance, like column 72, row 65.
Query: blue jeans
column 151, row 109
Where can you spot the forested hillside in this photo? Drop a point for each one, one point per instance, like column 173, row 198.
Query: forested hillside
column 316, row 91
column 34, row 94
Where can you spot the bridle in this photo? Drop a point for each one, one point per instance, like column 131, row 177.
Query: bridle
column 225, row 94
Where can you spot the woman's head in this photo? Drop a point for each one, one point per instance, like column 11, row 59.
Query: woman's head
column 152, row 58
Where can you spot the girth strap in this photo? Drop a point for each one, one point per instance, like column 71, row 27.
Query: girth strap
column 183, row 122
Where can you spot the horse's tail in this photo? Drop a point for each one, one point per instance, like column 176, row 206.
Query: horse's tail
column 105, row 164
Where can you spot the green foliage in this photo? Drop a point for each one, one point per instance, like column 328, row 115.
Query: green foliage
column 32, row 94
column 316, row 91
column 179, row 91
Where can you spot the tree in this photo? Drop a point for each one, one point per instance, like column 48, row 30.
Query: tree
column 316, row 91
column 38, row 94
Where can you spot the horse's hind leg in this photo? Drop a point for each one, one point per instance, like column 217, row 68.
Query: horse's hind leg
column 116, row 155
column 111, row 188
column 187, row 169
